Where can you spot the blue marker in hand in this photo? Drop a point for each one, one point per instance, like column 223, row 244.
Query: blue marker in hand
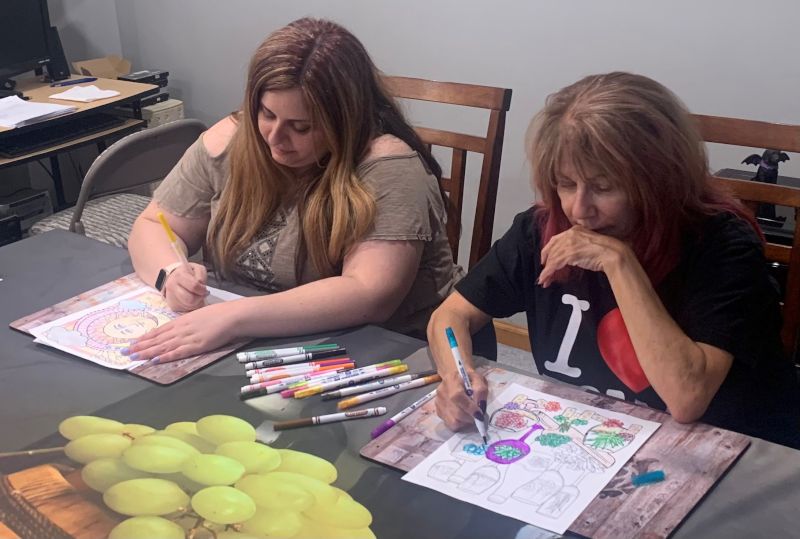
column 479, row 423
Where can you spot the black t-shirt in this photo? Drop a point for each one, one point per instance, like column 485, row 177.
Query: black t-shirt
column 720, row 293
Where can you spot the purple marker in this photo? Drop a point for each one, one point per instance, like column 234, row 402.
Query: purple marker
column 399, row 416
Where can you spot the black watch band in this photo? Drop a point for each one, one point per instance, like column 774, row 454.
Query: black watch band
column 163, row 273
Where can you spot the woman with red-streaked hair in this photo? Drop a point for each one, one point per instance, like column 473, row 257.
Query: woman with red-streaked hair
column 639, row 279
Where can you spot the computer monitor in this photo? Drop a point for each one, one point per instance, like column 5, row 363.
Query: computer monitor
column 23, row 36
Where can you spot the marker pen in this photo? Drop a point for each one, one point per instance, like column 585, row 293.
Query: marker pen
column 402, row 414
column 387, row 391
column 253, row 355
column 378, row 384
column 330, row 418
column 296, row 358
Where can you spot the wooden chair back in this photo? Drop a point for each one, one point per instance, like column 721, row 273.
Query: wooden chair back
column 497, row 101
column 764, row 135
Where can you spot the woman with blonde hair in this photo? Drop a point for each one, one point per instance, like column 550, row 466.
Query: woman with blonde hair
column 638, row 278
column 317, row 191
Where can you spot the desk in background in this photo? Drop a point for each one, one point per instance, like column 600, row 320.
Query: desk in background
column 130, row 92
column 40, row 386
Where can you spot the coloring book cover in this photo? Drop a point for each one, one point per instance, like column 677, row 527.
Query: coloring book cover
column 546, row 460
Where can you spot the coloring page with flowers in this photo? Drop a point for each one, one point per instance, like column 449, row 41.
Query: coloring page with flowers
column 546, row 460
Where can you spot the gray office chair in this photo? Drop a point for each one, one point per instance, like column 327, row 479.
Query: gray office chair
column 103, row 211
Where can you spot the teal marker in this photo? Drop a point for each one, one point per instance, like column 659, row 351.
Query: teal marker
column 646, row 478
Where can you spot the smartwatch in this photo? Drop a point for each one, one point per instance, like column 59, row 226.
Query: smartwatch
column 161, row 280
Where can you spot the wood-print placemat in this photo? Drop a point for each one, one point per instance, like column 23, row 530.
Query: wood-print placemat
column 163, row 374
column 693, row 456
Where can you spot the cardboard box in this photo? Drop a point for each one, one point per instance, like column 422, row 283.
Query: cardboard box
column 108, row 67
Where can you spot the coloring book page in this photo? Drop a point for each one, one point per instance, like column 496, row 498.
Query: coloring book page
column 99, row 332
column 546, row 460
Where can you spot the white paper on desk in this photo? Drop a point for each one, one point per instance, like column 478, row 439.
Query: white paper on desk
column 574, row 450
column 98, row 333
column 85, row 94
column 16, row 112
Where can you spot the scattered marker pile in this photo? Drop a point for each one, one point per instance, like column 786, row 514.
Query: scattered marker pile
column 325, row 369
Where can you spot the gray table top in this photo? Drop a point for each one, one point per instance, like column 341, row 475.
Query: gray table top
column 40, row 386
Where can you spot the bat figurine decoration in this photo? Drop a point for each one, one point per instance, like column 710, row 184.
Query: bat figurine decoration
column 767, row 173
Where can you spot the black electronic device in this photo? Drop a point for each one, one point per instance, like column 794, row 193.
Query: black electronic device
column 147, row 101
column 29, row 141
column 10, row 229
column 147, row 76
column 133, row 109
column 57, row 67
column 24, row 25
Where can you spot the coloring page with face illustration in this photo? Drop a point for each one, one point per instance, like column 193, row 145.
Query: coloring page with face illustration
column 546, row 459
column 100, row 332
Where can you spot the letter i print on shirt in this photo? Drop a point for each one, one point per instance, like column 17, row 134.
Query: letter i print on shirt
column 561, row 364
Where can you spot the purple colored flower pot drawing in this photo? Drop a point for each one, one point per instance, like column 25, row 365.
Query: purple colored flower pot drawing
column 510, row 450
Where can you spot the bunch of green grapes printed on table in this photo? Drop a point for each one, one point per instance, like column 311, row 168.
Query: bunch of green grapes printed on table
column 209, row 479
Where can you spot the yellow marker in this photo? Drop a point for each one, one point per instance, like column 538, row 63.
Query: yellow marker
column 315, row 390
column 173, row 239
column 386, row 391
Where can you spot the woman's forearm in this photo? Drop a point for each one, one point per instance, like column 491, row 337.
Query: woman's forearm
column 456, row 313
column 676, row 366
column 149, row 249
column 327, row 304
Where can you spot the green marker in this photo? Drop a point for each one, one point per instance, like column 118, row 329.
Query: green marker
column 253, row 355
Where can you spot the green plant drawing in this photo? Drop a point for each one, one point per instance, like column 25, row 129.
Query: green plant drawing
column 564, row 423
column 506, row 452
column 553, row 439
column 604, row 439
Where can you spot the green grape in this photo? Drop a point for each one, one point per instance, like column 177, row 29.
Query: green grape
column 101, row 474
column 166, row 441
column 348, row 533
column 312, row 529
column 139, row 527
column 322, row 492
column 219, row 429
column 155, row 458
column 255, row 457
column 147, row 496
column 341, row 493
column 275, row 493
column 135, row 430
column 189, row 427
column 96, row 446
column 232, row 534
column 78, row 426
column 223, row 505
column 273, row 523
column 307, row 464
column 186, row 484
column 194, row 440
column 345, row 513
column 212, row 469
